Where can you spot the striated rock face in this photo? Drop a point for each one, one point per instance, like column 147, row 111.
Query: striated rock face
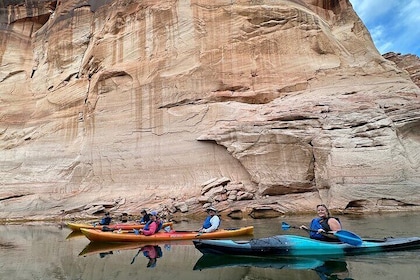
column 408, row 62
column 123, row 105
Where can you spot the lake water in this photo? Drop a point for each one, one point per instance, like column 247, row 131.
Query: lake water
column 53, row 252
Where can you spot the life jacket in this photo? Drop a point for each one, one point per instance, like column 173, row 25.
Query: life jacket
column 207, row 223
column 159, row 251
column 159, row 224
column 105, row 221
column 150, row 251
column 145, row 218
column 147, row 225
column 317, row 224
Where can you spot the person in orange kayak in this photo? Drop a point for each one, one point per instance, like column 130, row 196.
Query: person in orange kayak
column 212, row 221
column 106, row 220
column 153, row 226
column 145, row 217
column 323, row 224
column 124, row 217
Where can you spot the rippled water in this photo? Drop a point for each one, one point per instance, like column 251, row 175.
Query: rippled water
column 54, row 252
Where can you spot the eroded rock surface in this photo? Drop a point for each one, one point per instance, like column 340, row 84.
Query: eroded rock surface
column 137, row 104
column 408, row 62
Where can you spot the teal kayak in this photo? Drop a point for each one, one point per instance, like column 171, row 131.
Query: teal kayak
column 219, row 261
column 299, row 246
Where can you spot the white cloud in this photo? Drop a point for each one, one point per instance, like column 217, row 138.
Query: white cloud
column 393, row 24
column 370, row 10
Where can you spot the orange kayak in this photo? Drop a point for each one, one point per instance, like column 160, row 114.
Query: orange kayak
column 106, row 236
column 122, row 226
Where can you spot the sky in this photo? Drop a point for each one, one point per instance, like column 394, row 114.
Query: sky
column 393, row 24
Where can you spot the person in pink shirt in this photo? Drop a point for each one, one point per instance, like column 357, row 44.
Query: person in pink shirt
column 153, row 226
column 150, row 252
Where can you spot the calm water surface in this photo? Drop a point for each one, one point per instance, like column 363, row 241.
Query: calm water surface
column 53, row 252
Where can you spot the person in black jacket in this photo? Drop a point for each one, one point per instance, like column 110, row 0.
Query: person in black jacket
column 145, row 217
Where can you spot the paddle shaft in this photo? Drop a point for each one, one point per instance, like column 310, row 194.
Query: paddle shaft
column 342, row 235
column 307, row 229
column 135, row 256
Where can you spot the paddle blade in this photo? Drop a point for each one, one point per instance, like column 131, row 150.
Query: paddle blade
column 285, row 226
column 348, row 237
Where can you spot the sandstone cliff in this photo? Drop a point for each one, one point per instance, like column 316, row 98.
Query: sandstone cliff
column 259, row 107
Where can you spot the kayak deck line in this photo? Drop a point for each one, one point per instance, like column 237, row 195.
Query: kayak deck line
column 299, row 246
column 122, row 226
column 100, row 236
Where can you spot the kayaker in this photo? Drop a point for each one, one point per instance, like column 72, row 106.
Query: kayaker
column 323, row 224
column 212, row 221
column 152, row 253
column 106, row 220
column 124, row 217
column 153, row 226
column 145, row 217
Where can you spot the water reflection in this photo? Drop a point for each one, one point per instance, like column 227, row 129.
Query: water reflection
column 152, row 252
column 74, row 234
column 33, row 251
column 326, row 269
column 7, row 245
column 102, row 247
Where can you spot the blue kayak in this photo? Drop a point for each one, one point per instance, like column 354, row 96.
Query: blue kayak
column 219, row 261
column 299, row 246
column 326, row 269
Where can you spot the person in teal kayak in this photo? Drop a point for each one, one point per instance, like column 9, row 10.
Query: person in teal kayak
column 323, row 224
column 212, row 221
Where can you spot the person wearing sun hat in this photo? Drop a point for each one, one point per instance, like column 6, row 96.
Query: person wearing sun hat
column 212, row 221
column 153, row 225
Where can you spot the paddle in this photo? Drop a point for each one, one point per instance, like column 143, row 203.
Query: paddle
column 343, row 235
column 136, row 256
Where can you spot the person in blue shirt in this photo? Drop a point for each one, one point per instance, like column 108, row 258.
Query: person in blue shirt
column 212, row 221
column 106, row 220
column 323, row 224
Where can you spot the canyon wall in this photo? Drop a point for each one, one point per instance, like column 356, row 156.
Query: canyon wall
column 258, row 107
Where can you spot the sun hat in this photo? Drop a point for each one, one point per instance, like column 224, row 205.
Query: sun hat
column 211, row 208
column 153, row 213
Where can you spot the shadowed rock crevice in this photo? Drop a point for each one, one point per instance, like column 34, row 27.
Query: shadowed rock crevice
column 12, row 197
column 8, row 246
column 362, row 204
